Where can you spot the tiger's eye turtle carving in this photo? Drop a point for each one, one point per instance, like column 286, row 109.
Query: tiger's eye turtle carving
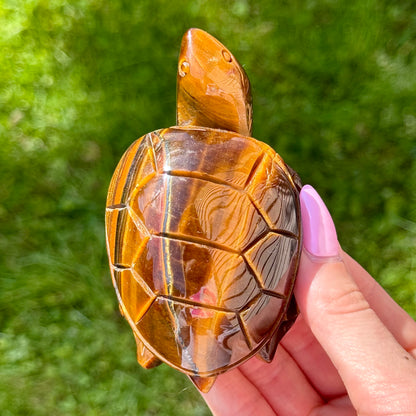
column 203, row 227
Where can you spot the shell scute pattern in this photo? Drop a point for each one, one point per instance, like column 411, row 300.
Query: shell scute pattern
column 203, row 235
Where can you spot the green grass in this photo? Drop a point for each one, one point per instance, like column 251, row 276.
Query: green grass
column 334, row 85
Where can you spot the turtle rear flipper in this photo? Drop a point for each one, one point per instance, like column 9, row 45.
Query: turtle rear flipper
column 268, row 351
column 203, row 384
column 144, row 357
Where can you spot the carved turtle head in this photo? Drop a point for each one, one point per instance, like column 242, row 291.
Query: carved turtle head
column 213, row 89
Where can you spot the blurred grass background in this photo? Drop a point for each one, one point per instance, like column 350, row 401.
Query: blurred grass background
column 334, row 85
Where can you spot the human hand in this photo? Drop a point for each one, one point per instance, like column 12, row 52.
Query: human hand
column 351, row 351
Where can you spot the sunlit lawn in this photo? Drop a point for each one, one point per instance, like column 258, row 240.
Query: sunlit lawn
column 334, row 85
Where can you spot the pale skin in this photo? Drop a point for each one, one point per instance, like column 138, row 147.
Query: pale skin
column 352, row 351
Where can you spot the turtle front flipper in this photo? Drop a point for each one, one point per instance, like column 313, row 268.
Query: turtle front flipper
column 203, row 384
column 145, row 358
column 269, row 349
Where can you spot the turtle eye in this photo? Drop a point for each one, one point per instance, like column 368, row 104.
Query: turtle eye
column 226, row 55
column 183, row 68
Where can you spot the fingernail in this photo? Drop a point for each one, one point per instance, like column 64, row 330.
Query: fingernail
column 319, row 233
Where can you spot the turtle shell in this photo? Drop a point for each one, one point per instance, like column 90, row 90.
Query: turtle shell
column 203, row 235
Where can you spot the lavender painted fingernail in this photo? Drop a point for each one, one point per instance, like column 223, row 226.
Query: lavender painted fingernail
column 319, row 234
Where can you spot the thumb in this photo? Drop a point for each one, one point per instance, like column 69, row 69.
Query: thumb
column 371, row 363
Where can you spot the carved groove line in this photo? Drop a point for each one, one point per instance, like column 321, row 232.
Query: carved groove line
column 202, row 177
column 253, row 171
column 195, row 240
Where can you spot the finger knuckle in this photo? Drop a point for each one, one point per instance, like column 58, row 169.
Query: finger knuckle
column 349, row 301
